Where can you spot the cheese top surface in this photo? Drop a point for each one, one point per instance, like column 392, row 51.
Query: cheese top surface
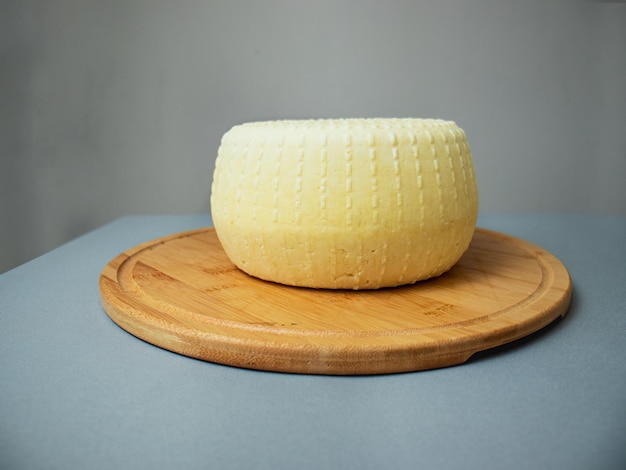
column 345, row 203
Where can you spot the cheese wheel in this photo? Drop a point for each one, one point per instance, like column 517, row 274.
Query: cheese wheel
column 345, row 203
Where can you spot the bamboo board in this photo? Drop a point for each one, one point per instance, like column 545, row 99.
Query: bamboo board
column 182, row 293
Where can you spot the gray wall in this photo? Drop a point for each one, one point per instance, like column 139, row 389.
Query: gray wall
column 117, row 107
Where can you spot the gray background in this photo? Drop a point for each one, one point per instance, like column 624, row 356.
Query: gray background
column 117, row 107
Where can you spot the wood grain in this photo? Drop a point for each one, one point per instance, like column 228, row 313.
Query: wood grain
column 182, row 293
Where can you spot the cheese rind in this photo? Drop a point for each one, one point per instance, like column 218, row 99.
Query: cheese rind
column 345, row 204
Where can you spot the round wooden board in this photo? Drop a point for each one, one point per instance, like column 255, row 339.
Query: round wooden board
column 183, row 294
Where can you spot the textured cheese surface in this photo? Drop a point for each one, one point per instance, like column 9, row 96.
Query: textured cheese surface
column 350, row 203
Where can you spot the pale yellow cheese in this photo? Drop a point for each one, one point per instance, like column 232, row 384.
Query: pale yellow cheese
column 346, row 203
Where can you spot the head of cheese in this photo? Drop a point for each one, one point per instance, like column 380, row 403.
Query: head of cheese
column 345, row 203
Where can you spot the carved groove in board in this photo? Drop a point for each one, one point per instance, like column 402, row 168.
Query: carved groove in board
column 126, row 279
column 141, row 291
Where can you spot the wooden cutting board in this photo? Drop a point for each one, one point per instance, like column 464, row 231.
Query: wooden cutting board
column 183, row 294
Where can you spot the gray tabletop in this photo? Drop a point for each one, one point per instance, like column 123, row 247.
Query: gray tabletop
column 76, row 391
